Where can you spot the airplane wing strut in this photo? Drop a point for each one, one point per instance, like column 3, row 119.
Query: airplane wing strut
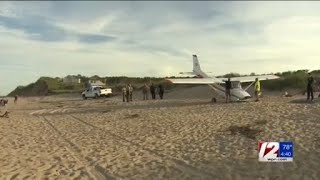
column 249, row 85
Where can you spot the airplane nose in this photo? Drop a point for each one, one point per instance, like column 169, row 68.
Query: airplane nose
column 241, row 94
column 246, row 95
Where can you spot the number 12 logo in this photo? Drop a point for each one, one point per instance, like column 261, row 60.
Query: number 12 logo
column 268, row 150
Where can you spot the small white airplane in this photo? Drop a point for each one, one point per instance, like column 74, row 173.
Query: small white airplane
column 237, row 93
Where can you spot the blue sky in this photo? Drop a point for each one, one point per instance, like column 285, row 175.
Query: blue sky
column 154, row 38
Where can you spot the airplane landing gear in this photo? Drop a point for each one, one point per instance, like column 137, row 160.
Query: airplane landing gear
column 213, row 100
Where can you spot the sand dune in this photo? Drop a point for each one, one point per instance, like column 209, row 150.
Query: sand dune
column 175, row 138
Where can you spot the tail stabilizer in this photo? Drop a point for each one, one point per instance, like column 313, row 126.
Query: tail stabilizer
column 187, row 73
column 197, row 69
column 196, row 64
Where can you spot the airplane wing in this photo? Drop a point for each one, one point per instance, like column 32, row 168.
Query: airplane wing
column 195, row 81
column 251, row 78
column 220, row 80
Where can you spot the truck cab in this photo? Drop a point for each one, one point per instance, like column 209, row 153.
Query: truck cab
column 96, row 92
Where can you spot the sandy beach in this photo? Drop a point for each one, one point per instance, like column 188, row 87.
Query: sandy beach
column 59, row 137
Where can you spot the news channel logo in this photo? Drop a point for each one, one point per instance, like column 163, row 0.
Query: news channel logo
column 275, row 151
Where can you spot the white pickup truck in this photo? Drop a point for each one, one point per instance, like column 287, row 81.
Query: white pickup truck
column 96, row 91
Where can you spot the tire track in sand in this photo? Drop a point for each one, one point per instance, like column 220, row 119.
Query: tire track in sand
column 181, row 165
column 96, row 172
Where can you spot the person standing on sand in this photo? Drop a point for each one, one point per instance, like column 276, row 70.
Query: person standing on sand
column 228, row 90
column 257, row 89
column 130, row 92
column 161, row 91
column 124, row 94
column 15, row 99
column 145, row 91
column 310, row 87
column 127, row 93
column 153, row 91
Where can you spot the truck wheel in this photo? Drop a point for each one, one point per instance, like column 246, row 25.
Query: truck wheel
column 96, row 96
column 84, row 97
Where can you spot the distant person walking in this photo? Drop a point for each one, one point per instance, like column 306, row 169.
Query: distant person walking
column 124, row 94
column 145, row 91
column 257, row 89
column 130, row 92
column 127, row 93
column 228, row 90
column 153, row 91
column 15, row 99
column 310, row 87
column 161, row 91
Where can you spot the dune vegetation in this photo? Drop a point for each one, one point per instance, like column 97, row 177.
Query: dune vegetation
column 48, row 85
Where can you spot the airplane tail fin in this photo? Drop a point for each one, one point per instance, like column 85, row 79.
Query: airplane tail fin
column 196, row 65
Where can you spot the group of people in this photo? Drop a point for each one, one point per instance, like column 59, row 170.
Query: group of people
column 257, row 89
column 153, row 90
column 127, row 92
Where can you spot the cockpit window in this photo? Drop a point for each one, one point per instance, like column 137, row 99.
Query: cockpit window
column 235, row 84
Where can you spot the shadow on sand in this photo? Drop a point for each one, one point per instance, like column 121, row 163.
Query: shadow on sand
column 249, row 131
column 304, row 101
column 246, row 131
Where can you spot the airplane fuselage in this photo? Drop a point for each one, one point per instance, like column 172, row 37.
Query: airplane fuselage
column 237, row 93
